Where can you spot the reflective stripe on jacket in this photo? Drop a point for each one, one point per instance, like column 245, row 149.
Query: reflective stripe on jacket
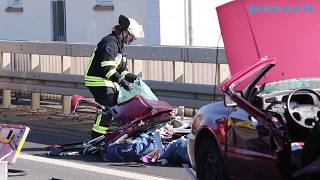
column 97, row 128
column 105, row 63
column 94, row 80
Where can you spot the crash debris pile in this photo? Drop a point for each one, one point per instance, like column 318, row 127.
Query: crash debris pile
column 166, row 145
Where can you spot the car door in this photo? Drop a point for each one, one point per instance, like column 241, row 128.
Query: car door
column 249, row 154
column 249, row 149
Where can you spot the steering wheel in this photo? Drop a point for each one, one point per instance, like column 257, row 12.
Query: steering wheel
column 305, row 115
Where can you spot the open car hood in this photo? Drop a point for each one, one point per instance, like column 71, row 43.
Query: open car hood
column 251, row 31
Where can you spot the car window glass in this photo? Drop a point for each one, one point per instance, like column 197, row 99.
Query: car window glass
column 291, row 84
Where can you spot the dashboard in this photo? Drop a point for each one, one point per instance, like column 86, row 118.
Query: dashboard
column 277, row 102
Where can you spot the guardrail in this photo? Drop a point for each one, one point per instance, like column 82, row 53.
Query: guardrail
column 159, row 53
column 177, row 92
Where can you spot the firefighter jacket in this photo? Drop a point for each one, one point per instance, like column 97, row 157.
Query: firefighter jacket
column 107, row 63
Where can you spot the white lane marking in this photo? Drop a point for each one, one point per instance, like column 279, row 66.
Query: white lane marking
column 119, row 173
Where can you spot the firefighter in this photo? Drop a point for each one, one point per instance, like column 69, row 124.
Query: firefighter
column 107, row 69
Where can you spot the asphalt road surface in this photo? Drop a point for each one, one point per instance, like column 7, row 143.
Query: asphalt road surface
column 40, row 167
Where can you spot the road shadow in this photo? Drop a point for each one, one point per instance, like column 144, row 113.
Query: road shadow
column 50, row 138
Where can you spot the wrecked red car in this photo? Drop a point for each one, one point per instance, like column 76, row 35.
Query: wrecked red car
column 268, row 125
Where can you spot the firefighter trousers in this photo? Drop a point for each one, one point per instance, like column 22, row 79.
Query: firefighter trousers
column 106, row 96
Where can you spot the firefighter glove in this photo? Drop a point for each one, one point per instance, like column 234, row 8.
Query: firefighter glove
column 125, row 84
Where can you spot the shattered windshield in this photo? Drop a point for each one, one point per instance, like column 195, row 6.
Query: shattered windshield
column 291, row 84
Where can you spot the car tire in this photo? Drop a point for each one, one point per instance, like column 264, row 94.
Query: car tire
column 209, row 164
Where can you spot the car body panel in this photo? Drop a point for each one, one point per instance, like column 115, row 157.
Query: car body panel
column 249, row 145
column 291, row 37
column 249, row 129
column 238, row 140
column 208, row 121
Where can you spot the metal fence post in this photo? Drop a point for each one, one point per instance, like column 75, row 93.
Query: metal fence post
column 66, row 64
column 6, row 64
column 6, row 61
column 66, row 69
column 138, row 67
column 35, row 97
column 66, row 107
column 178, row 71
column 6, row 101
column 224, row 72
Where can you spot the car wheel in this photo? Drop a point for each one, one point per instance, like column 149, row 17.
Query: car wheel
column 209, row 164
